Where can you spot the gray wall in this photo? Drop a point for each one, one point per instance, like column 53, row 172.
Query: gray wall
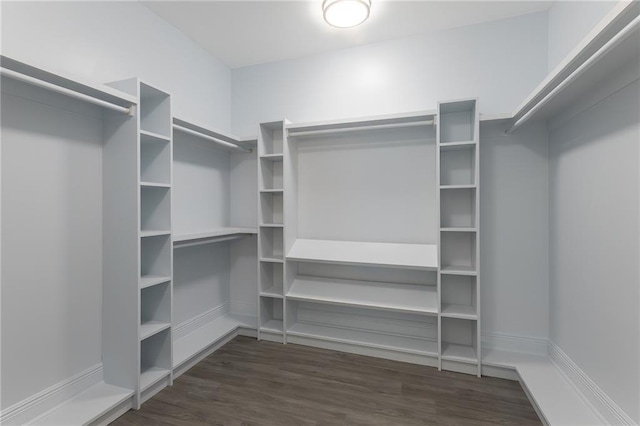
column 594, row 242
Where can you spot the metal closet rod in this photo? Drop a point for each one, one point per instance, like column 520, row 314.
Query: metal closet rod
column 63, row 90
column 294, row 132
column 211, row 138
column 613, row 42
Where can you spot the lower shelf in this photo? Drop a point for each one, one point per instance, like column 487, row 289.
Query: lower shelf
column 460, row 353
column 273, row 326
column 152, row 375
column 198, row 340
column 87, row 406
column 364, row 338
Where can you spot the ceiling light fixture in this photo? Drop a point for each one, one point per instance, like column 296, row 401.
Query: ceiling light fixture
column 345, row 13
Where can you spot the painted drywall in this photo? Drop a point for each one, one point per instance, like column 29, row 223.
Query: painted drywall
column 594, row 244
column 108, row 41
column 569, row 23
column 51, row 233
column 499, row 62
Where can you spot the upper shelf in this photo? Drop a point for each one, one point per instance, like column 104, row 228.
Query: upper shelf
column 212, row 236
column 411, row 256
column 222, row 139
column 64, row 83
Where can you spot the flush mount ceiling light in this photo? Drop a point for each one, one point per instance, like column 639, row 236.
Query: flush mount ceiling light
column 345, row 13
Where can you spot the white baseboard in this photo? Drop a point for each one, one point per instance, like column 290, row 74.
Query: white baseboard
column 511, row 343
column 243, row 308
column 593, row 395
column 51, row 397
column 199, row 321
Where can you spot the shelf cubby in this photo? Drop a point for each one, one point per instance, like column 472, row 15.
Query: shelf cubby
column 271, row 206
column 457, row 250
column 155, row 310
column 457, row 166
column 271, row 279
column 457, row 208
column 459, row 296
column 459, row 340
column 155, row 359
column 271, row 174
column 272, row 138
column 155, row 111
column 271, row 242
column 155, row 159
column 271, row 315
column 155, row 256
column 155, row 209
column 457, row 121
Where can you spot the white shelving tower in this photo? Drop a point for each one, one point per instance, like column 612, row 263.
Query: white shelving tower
column 458, row 175
column 271, row 261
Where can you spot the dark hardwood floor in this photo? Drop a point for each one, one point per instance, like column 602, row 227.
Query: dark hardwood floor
column 261, row 383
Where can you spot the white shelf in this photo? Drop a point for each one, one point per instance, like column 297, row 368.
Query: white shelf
column 458, row 270
column 459, row 311
column 364, row 338
column 272, row 326
column 457, row 186
column 460, row 353
column 219, row 234
column 150, row 376
column 272, row 225
column 459, row 229
column 452, row 146
column 413, row 256
column 272, row 157
column 273, row 291
column 148, row 136
column 152, row 328
column 271, row 190
column 86, row 407
column 155, row 185
column 145, row 234
column 207, row 335
column 271, row 260
column 151, row 280
column 418, row 299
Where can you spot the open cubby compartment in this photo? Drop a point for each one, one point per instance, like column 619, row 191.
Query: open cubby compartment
column 155, row 160
column 155, row 256
column 155, row 111
column 271, row 207
column 458, row 166
column 155, row 309
column 271, row 315
column 369, row 287
column 271, row 243
column 458, row 208
column 155, row 208
column 460, row 340
column 346, row 327
column 458, row 251
column 457, row 121
column 155, row 359
column 271, row 174
column 272, row 137
column 459, row 296
column 271, row 279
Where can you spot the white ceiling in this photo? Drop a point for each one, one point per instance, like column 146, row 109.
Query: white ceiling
column 242, row 33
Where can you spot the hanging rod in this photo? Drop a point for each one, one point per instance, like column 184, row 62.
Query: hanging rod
column 613, row 42
column 294, row 132
column 211, row 138
column 63, row 90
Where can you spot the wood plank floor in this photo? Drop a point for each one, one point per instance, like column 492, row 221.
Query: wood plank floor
column 247, row 382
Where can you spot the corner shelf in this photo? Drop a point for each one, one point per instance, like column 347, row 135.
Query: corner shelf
column 458, row 311
column 273, row 291
column 460, row 353
column 152, row 328
column 155, row 185
column 151, row 280
column 458, row 270
column 272, row 157
column 272, row 326
column 146, row 234
column 411, row 256
column 152, row 375
column 453, row 146
column 147, row 136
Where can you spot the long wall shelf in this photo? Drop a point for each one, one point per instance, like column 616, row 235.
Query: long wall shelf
column 412, row 256
column 212, row 236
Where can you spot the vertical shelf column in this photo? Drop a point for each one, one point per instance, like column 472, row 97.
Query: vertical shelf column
column 156, row 255
column 459, row 238
column 271, row 263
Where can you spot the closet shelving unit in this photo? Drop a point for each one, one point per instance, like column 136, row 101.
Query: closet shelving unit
column 202, row 243
column 271, row 231
column 369, row 297
column 459, row 273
